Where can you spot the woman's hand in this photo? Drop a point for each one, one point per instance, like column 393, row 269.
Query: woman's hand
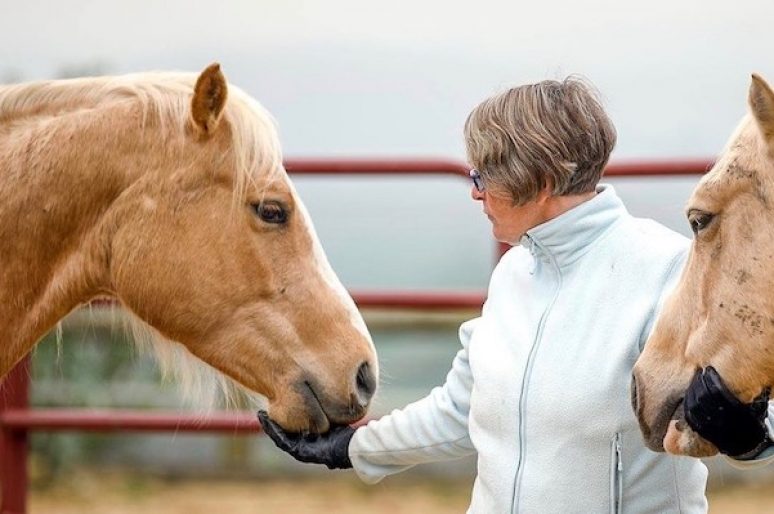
column 330, row 448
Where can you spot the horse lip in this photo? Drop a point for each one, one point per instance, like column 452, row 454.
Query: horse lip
column 314, row 404
column 654, row 439
column 654, row 433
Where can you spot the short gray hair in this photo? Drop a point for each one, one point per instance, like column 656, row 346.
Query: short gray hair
column 532, row 135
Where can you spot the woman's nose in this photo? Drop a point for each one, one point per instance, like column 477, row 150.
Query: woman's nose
column 476, row 194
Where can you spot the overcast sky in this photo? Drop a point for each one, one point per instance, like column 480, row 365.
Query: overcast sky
column 360, row 78
column 398, row 78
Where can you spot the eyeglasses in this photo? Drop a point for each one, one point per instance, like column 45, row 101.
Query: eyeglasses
column 478, row 182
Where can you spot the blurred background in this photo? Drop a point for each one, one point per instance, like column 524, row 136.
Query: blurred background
column 350, row 79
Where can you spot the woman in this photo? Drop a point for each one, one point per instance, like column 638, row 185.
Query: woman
column 540, row 388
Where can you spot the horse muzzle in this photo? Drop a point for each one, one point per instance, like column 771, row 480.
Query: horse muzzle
column 654, row 423
column 664, row 428
column 325, row 408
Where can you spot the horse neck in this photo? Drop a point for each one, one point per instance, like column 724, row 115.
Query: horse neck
column 58, row 178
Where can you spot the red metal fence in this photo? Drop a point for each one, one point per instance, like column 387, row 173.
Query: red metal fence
column 18, row 419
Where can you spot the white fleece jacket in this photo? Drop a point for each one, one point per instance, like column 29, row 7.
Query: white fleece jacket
column 540, row 388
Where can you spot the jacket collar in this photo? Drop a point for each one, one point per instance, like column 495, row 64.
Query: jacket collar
column 570, row 235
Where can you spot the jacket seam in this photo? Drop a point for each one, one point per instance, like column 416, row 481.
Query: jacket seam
column 673, row 263
column 659, row 303
column 676, row 484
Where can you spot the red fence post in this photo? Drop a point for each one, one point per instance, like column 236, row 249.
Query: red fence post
column 14, row 394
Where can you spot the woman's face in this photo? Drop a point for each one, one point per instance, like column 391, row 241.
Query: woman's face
column 510, row 222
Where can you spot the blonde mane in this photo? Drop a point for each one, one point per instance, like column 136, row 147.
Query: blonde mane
column 165, row 98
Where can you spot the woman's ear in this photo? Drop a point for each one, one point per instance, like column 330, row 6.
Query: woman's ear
column 545, row 193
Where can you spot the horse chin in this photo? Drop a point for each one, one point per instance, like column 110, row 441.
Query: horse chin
column 680, row 439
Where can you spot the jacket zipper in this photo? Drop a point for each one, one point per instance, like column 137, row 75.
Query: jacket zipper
column 528, row 373
column 616, row 476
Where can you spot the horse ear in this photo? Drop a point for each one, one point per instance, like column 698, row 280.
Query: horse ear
column 209, row 98
column 761, row 100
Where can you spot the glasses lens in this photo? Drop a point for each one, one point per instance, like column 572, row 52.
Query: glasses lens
column 477, row 180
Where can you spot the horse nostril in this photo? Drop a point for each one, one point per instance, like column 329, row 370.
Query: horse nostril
column 366, row 384
column 635, row 403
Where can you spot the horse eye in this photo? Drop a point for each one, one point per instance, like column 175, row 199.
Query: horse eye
column 271, row 212
column 699, row 220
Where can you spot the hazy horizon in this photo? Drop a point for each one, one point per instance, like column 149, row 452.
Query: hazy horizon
column 347, row 78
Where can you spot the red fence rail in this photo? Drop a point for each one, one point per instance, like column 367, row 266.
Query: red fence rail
column 17, row 419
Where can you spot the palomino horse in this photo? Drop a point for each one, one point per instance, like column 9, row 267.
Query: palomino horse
column 722, row 312
column 167, row 192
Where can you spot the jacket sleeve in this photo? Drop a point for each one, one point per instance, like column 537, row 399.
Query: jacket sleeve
column 672, row 277
column 432, row 429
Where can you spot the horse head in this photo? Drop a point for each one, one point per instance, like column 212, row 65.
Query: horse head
column 167, row 192
column 721, row 313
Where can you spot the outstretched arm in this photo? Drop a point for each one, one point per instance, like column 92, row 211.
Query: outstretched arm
column 431, row 429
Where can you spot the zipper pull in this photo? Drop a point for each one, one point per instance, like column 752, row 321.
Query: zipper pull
column 618, row 452
column 529, row 243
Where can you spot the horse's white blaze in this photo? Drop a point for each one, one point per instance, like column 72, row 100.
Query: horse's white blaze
column 326, row 271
